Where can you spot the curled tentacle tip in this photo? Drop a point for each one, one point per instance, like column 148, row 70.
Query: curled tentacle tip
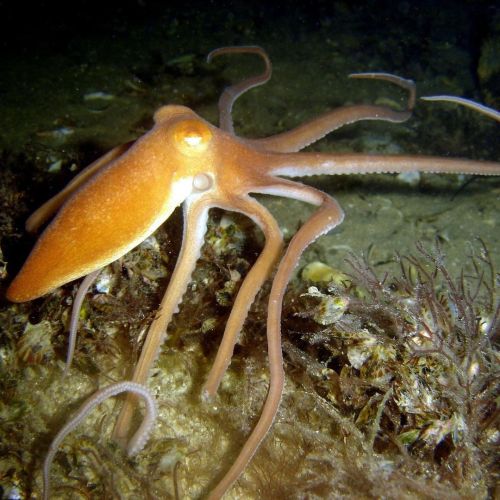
column 404, row 83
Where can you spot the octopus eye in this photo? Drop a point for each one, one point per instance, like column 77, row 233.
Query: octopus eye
column 191, row 136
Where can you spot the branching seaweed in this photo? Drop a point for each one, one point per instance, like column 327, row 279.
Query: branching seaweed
column 411, row 361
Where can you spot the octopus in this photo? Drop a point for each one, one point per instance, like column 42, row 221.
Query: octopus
column 123, row 197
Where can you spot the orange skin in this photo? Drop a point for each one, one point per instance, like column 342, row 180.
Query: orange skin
column 121, row 199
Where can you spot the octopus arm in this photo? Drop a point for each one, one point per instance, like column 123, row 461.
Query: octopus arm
column 304, row 164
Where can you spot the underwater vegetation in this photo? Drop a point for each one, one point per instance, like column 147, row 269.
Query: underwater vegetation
column 392, row 382
column 408, row 368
